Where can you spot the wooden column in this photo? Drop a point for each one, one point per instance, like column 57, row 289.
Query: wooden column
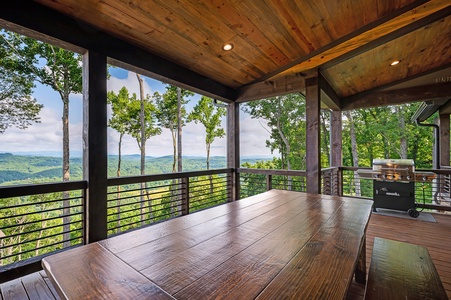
column 336, row 156
column 336, row 151
column 313, row 162
column 444, row 140
column 233, row 147
column 95, row 143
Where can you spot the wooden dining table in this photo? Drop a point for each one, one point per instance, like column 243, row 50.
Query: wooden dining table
column 275, row 245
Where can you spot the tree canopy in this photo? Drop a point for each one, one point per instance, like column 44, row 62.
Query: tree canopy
column 209, row 115
column 17, row 107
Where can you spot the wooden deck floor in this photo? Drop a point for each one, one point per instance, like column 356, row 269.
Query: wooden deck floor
column 435, row 236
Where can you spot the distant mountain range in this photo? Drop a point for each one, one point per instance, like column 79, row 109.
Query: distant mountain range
column 24, row 169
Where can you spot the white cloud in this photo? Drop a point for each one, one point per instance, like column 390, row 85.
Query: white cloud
column 44, row 136
column 131, row 83
column 253, row 136
column 47, row 135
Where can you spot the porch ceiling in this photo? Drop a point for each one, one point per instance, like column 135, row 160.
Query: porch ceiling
column 277, row 43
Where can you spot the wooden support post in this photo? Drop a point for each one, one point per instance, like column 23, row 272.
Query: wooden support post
column 185, row 196
column 233, row 148
column 95, row 144
column 313, row 162
column 268, row 182
column 336, row 151
column 444, row 140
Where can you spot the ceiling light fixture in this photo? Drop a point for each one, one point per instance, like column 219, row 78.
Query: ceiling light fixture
column 395, row 62
column 227, row 47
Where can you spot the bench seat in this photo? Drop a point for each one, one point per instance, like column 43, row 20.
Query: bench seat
column 400, row 270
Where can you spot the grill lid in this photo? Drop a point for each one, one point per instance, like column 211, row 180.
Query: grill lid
column 396, row 170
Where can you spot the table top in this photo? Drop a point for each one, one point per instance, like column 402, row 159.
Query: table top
column 279, row 244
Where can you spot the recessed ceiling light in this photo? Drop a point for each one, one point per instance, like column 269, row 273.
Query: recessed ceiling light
column 395, row 62
column 227, row 47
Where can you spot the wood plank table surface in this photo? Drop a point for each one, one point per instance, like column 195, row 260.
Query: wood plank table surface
column 275, row 245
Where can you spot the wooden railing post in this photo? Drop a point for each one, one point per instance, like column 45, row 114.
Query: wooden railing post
column 233, row 147
column 268, row 182
column 185, row 196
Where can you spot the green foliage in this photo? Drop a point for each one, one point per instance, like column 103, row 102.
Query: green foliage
column 17, row 107
column 285, row 118
column 167, row 107
column 168, row 113
column 207, row 114
column 126, row 114
column 380, row 131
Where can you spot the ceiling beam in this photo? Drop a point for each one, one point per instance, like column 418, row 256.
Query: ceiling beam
column 271, row 88
column 361, row 95
column 401, row 96
column 389, row 37
column 332, row 101
column 37, row 21
column 336, row 47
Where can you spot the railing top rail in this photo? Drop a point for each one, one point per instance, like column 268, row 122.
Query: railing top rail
column 158, row 177
column 44, row 188
column 272, row 172
column 329, row 169
column 446, row 171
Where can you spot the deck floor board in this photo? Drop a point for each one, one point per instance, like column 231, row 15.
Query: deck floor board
column 429, row 234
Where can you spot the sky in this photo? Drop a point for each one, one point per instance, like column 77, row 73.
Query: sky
column 46, row 136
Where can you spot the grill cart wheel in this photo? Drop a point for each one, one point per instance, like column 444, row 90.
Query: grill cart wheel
column 413, row 213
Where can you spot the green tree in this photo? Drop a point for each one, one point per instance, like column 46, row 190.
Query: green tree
column 57, row 68
column 209, row 115
column 119, row 118
column 168, row 114
column 17, row 107
column 285, row 119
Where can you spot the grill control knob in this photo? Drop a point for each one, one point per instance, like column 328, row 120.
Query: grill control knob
column 408, row 177
column 424, row 178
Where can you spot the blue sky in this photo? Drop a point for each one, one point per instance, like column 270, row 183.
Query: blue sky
column 47, row 135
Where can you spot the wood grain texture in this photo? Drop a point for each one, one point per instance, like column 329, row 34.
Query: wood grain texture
column 401, row 270
column 37, row 288
column 331, row 253
column 233, row 252
column 13, row 290
column 274, row 41
column 428, row 234
column 92, row 272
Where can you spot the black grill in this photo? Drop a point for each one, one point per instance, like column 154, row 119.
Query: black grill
column 394, row 184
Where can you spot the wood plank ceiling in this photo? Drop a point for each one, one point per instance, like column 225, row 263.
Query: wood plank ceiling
column 277, row 43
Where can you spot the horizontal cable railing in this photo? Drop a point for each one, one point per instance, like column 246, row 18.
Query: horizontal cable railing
column 138, row 201
column 256, row 181
column 39, row 219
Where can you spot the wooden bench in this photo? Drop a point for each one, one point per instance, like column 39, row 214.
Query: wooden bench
column 402, row 271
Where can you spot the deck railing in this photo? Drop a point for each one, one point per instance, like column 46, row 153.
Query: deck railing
column 256, row 181
column 39, row 219
column 138, row 201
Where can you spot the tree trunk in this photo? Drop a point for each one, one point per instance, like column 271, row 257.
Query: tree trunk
column 355, row 154
column 179, row 129
column 325, row 137
column 143, row 150
column 118, row 173
column 288, row 150
column 179, row 143
column 173, row 187
column 402, row 130
column 66, row 171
